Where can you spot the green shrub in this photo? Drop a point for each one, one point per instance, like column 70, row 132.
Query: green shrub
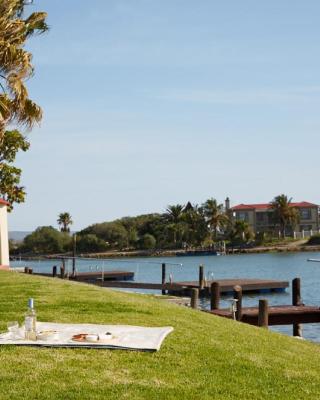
column 46, row 240
column 90, row 243
column 315, row 239
column 148, row 242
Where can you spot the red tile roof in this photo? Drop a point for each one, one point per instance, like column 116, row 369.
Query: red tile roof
column 4, row 202
column 263, row 206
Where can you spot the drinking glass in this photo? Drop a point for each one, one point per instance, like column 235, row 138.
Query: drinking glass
column 13, row 329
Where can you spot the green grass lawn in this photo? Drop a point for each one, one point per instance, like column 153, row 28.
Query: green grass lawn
column 205, row 357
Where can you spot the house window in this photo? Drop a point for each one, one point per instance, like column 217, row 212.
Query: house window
column 305, row 213
column 260, row 217
column 271, row 218
column 243, row 216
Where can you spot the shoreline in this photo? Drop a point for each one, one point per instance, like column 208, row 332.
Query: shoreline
column 291, row 248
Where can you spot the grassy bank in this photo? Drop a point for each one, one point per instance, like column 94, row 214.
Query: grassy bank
column 205, row 357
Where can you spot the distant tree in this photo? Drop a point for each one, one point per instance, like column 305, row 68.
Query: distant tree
column 46, row 240
column 173, row 215
column 148, row 241
column 284, row 213
column 90, row 243
column 240, row 233
column 196, row 229
column 114, row 233
column 16, row 108
column 132, row 237
column 215, row 216
column 64, row 221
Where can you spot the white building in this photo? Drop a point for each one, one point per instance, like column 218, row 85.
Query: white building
column 4, row 240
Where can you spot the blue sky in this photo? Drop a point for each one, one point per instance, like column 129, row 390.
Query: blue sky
column 149, row 103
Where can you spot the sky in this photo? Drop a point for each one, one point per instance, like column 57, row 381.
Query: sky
column 150, row 103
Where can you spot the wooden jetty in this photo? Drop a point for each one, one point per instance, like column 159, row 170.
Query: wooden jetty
column 263, row 316
column 89, row 277
column 277, row 315
column 124, row 280
column 106, row 276
column 226, row 286
column 184, row 288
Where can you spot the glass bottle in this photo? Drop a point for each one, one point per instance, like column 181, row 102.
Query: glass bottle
column 30, row 322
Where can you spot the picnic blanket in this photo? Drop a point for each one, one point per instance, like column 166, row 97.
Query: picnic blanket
column 123, row 336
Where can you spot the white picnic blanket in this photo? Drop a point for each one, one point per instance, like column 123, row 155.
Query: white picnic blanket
column 123, row 336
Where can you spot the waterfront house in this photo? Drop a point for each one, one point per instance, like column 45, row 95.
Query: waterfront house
column 4, row 242
column 260, row 217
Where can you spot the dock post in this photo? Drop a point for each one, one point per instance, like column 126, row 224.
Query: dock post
column 26, row 270
column 201, row 277
column 74, row 252
column 296, row 301
column 62, row 269
column 263, row 317
column 194, row 297
column 54, row 271
column 215, row 295
column 30, row 270
column 296, row 292
column 163, row 280
column 238, row 296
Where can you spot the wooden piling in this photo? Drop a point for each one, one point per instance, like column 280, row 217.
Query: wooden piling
column 263, row 316
column 26, row 270
column 215, row 295
column 296, row 292
column 74, row 252
column 201, row 277
column 30, row 270
column 238, row 296
column 296, row 301
column 194, row 298
column 163, row 279
column 54, row 271
column 62, row 272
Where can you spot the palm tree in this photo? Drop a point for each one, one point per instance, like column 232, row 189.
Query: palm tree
column 15, row 64
column 173, row 216
column 195, row 224
column 215, row 216
column 16, row 107
column 65, row 221
column 284, row 213
column 240, row 232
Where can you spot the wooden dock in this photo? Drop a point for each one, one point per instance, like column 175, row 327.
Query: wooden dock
column 226, row 286
column 277, row 315
column 184, row 288
column 263, row 315
column 106, row 276
column 94, row 276
column 124, row 280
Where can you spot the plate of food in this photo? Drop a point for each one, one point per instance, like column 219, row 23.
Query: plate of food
column 47, row 335
column 92, row 337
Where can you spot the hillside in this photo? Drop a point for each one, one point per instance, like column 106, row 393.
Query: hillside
column 206, row 357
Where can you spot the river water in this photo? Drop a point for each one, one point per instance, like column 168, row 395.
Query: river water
column 279, row 266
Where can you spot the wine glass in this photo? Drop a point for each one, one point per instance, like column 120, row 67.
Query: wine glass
column 13, row 329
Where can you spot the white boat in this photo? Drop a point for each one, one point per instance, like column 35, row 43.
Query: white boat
column 313, row 259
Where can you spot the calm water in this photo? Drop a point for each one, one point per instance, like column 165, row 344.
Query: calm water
column 281, row 266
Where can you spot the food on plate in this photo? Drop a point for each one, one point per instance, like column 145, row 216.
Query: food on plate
column 92, row 337
column 48, row 334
